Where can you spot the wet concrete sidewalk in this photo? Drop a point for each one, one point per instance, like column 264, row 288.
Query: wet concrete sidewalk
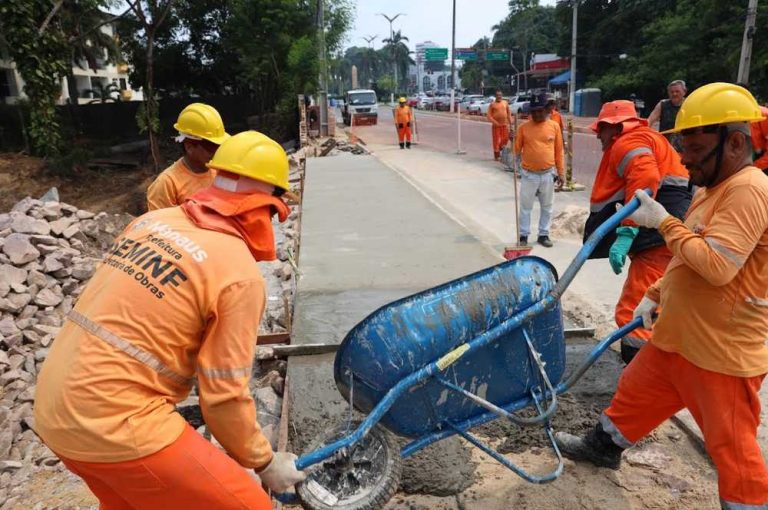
column 368, row 237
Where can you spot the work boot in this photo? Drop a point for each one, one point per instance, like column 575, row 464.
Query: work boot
column 596, row 447
column 407, row 145
column 523, row 240
column 402, row 145
column 497, row 156
column 545, row 241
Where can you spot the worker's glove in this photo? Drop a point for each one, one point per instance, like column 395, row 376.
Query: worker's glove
column 281, row 473
column 646, row 309
column 617, row 255
column 400, row 126
column 650, row 214
column 407, row 124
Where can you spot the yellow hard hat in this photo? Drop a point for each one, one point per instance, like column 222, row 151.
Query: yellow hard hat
column 202, row 121
column 716, row 103
column 254, row 155
column 401, row 100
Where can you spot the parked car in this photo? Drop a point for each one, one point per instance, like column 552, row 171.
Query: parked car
column 413, row 101
column 425, row 102
column 517, row 104
column 476, row 105
column 485, row 104
column 442, row 103
column 466, row 100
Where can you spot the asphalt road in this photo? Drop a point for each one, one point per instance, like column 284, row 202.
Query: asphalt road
column 438, row 131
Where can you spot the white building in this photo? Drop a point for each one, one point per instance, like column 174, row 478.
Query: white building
column 430, row 77
column 86, row 80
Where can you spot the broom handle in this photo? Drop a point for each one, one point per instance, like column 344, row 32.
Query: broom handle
column 514, row 178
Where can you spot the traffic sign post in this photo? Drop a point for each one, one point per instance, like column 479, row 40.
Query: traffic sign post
column 466, row 54
column 496, row 55
column 435, row 54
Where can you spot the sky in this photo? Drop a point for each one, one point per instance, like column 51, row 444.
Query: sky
column 428, row 20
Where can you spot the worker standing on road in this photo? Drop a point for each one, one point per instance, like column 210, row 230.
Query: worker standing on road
column 501, row 119
column 708, row 350
column 201, row 131
column 666, row 110
column 177, row 299
column 540, row 142
column 635, row 157
column 403, row 119
column 554, row 114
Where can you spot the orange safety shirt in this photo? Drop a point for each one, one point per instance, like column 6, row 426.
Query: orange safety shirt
column 714, row 294
column 541, row 144
column 169, row 304
column 555, row 116
column 638, row 158
column 498, row 112
column 760, row 142
column 175, row 184
column 402, row 114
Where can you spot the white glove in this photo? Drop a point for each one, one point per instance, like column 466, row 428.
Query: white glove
column 645, row 309
column 281, row 473
column 651, row 213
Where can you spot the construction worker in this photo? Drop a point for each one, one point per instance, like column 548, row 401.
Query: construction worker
column 759, row 131
column 540, row 141
column 634, row 157
column 666, row 110
column 708, row 350
column 201, row 131
column 501, row 122
column 403, row 119
column 554, row 114
column 178, row 298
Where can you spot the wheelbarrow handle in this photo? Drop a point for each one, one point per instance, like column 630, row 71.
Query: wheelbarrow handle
column 589, row 246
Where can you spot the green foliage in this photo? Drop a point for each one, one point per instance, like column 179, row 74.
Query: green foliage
column 386, row 84
column 399, row 55
column 41, row 58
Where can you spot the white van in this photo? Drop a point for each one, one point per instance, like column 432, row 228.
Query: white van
column 362, row 103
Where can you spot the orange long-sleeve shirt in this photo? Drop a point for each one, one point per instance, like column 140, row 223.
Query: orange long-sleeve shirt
column 714, row 294
column 175, row 184
column 168, row 303
column 499, row 114
column 541, row 144
column 760, row 142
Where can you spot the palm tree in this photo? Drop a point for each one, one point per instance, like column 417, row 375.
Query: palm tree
column 400, row 54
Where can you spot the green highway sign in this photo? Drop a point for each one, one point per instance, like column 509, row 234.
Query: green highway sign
column 465, row 54
column 497, row 55
column 435, row 54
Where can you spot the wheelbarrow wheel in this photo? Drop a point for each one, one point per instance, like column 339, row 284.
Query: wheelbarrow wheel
column 360, row 477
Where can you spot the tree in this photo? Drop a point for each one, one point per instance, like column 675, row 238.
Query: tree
column 33, row 37
column 151, row 15
column 399, row 55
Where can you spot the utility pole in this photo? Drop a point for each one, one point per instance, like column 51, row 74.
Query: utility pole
column 453, row 59
column 391, row 41
column 572, row 84
column 323, row 92
column 746, row 43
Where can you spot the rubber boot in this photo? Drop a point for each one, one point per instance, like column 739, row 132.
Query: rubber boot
column 408, row 144
column 402, row 145
column 596, row 447
column 628, row 353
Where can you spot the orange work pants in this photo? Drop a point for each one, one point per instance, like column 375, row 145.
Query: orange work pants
column 645, row 268
column 189, row 474
column 403, row 133
column 657, row 384
column 499, row 137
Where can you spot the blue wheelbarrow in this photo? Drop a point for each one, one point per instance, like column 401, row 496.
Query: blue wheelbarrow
column 441, row 362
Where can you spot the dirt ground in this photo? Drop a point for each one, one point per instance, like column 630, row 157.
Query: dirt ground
column 106, row 189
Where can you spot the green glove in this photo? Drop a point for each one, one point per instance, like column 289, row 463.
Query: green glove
column 617, row 255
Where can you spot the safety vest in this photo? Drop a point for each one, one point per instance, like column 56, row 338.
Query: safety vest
column 643, row 158
column 667, row 121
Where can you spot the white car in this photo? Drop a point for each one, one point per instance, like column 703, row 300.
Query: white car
column 517, row 103
column 425, row 103
column 467, row 100
column 478, row 106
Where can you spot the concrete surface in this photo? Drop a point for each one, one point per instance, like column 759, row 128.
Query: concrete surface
column 368, row 237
